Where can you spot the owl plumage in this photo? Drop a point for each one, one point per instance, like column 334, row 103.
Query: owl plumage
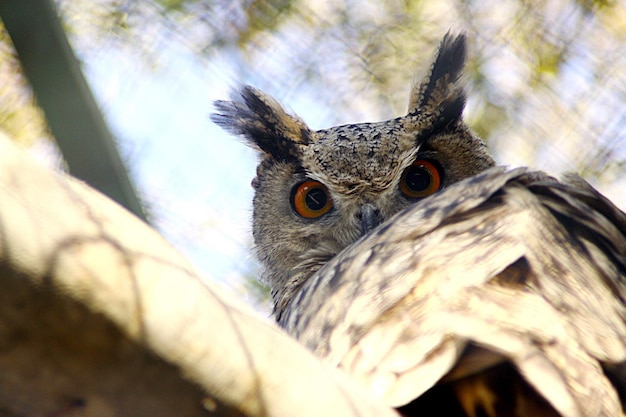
column 397, row 252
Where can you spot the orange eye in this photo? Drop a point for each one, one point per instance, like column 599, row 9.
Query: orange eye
column 421, row 179
column 310, row 199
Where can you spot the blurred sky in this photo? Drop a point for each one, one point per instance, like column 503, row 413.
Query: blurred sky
column 193, row 175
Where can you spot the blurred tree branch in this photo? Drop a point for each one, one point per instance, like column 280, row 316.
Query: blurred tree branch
column 61, row 90
column 99, row 316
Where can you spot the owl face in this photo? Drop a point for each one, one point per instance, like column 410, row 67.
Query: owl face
column 317, row 192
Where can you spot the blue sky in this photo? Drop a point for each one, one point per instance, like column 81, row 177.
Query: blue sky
column 194, row 177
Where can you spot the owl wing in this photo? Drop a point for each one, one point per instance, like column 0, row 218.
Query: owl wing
column 504, row 292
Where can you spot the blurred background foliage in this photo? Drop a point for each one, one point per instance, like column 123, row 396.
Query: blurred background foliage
column 546, row 81
column 20, row 117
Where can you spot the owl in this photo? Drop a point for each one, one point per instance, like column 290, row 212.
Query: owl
column 317, row 192
column 399, row 253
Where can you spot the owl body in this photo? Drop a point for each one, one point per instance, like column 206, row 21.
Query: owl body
column 361, row 169
column 397, row 252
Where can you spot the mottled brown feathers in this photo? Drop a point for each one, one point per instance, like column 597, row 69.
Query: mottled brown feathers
column 442, row 92
column 263, row 122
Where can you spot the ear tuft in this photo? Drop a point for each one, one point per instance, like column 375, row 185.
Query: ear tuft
column 264, row 122
column 441, row 93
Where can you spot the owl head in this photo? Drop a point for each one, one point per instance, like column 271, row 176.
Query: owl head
column 317, row 192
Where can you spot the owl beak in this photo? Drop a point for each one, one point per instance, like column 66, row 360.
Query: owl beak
column 369, row 217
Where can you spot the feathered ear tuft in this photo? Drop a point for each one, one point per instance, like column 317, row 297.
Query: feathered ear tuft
column 441, row 93
column 264, row 122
